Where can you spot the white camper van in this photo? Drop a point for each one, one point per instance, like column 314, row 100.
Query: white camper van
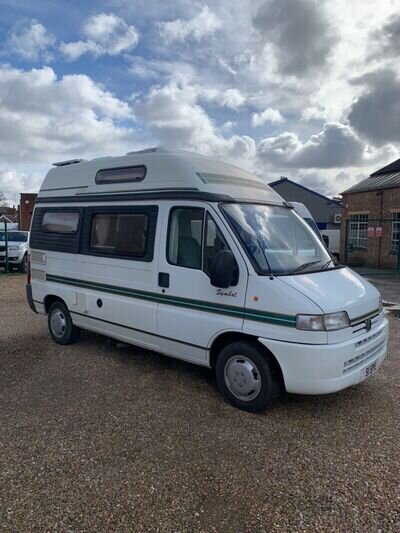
column 202, row 261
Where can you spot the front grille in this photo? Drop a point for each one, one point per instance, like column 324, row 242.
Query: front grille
column 367, row 339
column 361, row 325
column 363, row 357
column 360, row 321
column 2, row 248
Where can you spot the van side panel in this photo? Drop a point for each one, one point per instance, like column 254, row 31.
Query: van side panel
column 110, row 295
column 190, row 309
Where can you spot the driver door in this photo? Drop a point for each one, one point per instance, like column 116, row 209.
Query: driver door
column 191, row 312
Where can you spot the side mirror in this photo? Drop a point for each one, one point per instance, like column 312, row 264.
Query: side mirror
column 325, row 238
column 224, row 272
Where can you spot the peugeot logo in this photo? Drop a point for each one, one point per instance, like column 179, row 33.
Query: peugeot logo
column 368, row 324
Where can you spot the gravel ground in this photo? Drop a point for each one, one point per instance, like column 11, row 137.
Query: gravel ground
column 99, row 438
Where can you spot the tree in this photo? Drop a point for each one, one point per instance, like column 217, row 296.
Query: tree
column 3, row 200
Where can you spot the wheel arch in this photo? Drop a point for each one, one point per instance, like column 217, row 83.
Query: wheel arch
column 229, row 337
column 50, row 299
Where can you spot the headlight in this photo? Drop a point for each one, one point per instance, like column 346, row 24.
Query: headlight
column 329, row 322
column 310, row 322
column 13, row 248
column 335, row 321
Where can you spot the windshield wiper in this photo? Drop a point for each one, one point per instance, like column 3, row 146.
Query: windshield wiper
column 305, row 265
column 326, row 264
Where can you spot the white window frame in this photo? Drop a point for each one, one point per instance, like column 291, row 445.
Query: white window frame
column 395, row 234
column 358, row 230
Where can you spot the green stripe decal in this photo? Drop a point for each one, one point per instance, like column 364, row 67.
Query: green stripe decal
column 210, row 307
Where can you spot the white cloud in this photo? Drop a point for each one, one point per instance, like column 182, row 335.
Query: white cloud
column 105, row 34
column 228, row 125
column 76, row 49
column 176, row 118
column 232, row 98
column 269, row 115
column 336, row 146
column 43, row 118
column 13, row 182
column 200, row 26
column 229, row 98
column 31, row 40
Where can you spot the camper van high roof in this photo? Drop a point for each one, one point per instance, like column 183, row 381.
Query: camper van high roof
column 156, row 170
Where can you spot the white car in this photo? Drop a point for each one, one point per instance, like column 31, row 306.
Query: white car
column 17, row 244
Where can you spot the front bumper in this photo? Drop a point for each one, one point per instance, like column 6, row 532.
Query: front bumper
column 322, row 369
column 14, row 258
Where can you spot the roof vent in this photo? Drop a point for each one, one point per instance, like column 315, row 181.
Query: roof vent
column 68, row 162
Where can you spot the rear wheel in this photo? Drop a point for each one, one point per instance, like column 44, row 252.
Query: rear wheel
column 246, row 377
column 61, row 328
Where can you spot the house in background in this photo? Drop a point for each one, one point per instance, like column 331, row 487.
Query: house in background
column 325, row 211
column 11, row 213
column 26, row 206
column 370, row 230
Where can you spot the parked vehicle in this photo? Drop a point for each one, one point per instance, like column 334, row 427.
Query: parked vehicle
column 305, row 214
column 331, row 238
column 202, row 261
column 17, row 249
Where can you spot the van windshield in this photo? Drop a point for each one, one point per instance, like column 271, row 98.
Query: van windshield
column 311, row 222
column 277, row 240
column 14, row 236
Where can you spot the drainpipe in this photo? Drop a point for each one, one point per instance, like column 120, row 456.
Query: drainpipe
column 380, row 193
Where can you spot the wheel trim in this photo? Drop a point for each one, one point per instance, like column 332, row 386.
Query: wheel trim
column 58, row 323
column 242, row 378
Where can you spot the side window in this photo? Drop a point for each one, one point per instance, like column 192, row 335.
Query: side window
column 121, row 175
column 60, row 222
column 214, row 242
column 185, row 237
column 119, row 234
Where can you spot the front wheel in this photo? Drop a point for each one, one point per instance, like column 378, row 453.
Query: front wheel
column 246, row 377
column 61, row 328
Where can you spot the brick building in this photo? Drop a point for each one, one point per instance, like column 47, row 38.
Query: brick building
column 26, row 205
column 370, row 229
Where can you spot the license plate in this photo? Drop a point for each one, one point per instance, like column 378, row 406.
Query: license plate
column 370, row 370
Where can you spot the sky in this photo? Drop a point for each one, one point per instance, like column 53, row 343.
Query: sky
column 308, row 89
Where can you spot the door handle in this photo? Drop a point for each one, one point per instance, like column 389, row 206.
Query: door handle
column 163, row 279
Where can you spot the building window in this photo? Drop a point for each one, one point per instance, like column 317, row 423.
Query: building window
column 119, row 234
column 395, row 240
column 358, row 231
column 60, row 222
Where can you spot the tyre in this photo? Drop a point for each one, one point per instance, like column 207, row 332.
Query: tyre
column 23, row 266
column 61, row 328
column 246, row 377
